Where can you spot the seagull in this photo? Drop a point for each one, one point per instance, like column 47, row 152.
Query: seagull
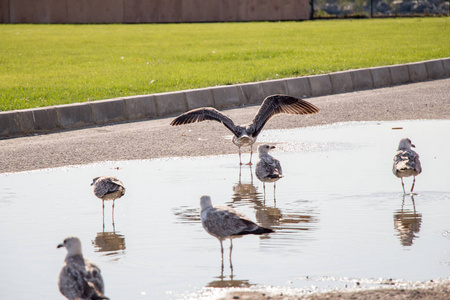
column 406, row 162
column 246, row 135
column 108, row 188
column 224, row 222
column 268, row 169
column 79, row 278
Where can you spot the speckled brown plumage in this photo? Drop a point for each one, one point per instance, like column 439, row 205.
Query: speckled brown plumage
column 406, row 162
column 79, row 278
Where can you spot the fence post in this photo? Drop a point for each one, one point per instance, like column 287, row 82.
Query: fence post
column 371, row 8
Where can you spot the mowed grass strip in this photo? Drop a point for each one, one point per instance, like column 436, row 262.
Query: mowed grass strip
column 42, row 65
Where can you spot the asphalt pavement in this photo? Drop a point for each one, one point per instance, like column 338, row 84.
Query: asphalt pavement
column 156, row 138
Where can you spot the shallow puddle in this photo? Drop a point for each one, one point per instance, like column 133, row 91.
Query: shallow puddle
column 339, row 217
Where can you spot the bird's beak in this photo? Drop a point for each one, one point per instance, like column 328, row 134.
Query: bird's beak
column 272, row 147
column 60, row 246
column 412, row 145
column 92, row 183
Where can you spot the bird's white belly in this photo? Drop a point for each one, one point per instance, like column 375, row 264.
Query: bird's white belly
column 406, row 173
column 243, row 141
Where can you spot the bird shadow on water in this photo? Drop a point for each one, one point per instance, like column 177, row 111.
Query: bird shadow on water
column 407, row 222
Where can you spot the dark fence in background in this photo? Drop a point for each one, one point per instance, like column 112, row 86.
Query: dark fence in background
column 176, row 11
column 151, row 11
column 379, row 8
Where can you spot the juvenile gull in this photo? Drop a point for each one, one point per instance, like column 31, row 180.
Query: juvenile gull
column 406, row 162
column 79, row 278
column 268, row 169
column 108, row 188
column 224, row 222
column 246, row 135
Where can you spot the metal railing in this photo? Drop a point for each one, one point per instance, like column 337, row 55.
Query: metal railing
column 378, row 8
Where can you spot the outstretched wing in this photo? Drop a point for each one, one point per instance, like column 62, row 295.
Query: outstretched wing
column 281, row 104
column 202, row 114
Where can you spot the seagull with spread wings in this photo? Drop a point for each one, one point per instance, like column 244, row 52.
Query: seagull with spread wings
column 246, row 135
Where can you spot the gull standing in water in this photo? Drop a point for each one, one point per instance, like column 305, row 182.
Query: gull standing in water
column 268, row 169
column 79, row 278
column 246, row 135
column 108, row 188
column 223, row 222
column 406, row 162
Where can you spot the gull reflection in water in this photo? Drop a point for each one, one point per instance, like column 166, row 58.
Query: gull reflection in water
column 246, row 193
column 228, row 283
column 110, row 242
column 407, row 222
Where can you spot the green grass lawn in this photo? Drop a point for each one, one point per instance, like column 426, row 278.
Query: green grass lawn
column 43, row 65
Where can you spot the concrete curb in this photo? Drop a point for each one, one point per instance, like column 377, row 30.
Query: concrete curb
column 79, row 115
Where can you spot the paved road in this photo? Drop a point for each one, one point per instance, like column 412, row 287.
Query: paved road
column 155, row 138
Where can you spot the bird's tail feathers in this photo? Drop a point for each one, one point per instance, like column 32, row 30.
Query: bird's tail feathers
column 274, row 176
column 99, row 297
column 259, row 230
column 96, row 294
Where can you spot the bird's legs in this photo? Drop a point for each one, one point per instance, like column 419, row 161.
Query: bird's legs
column 403, row 202
column 231, row 249
column 403, row 185
column 221, row 252
column 240, row 160
column 251, row 153
column 274, row 198
column 414, row 182
column 114, row 201
column 103, row 214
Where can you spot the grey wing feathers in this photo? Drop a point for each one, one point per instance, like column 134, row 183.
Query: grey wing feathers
column 71, row 283
column 268, row 167
column 107, row 185
column 75, row 283
column 116, row 181
column 418, row 166
column 202, row 114
column 278, row 167
column 277, row 104
column 406, row 161
column 223, row 222
column 94, row 276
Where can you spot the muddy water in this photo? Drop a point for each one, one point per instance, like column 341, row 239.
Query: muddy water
column 339, row 216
